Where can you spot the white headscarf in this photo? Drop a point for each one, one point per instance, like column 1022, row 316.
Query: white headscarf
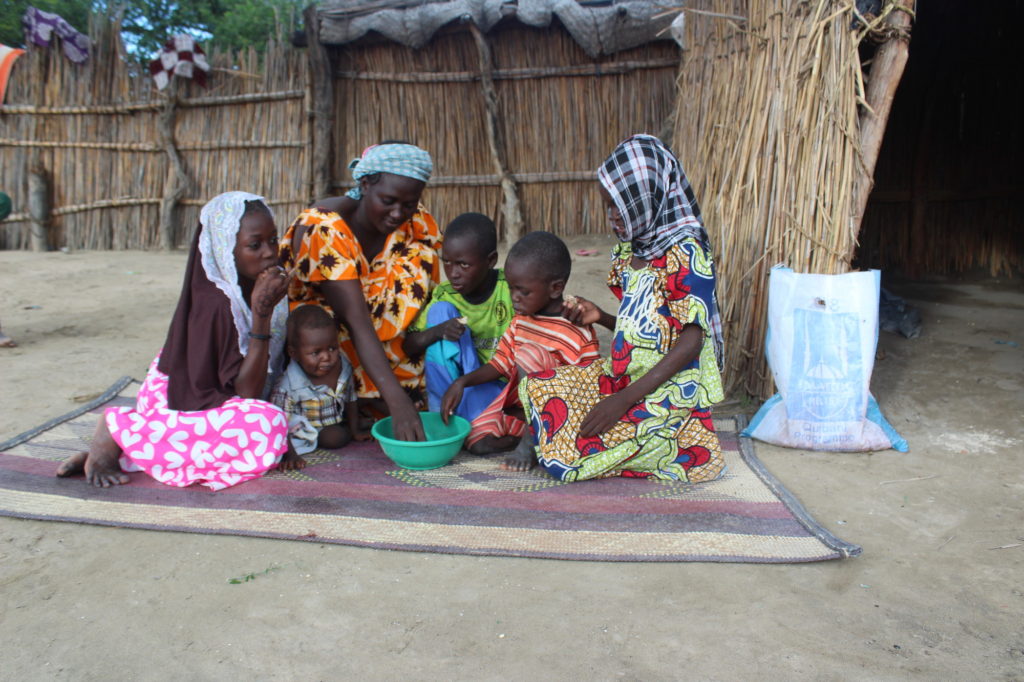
column 221, row 219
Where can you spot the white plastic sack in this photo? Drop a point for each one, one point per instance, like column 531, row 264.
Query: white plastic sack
column 822, row 335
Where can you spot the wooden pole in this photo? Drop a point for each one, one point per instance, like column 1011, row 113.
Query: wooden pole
column 39, row 206
column 322, row 112
column 39, row 180
column 886, row 71
column 177, row 183
column 510, row 207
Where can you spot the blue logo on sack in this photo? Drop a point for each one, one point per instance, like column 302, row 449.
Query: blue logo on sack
column 827, row 372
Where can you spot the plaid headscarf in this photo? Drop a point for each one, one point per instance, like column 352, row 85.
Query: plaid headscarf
column 653, row 196
column 398, row 159
column 658, row 207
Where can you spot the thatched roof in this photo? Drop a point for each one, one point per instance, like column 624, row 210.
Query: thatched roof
column 598, row 26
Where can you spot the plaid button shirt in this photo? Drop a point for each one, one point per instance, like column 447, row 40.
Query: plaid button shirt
column 310, row 407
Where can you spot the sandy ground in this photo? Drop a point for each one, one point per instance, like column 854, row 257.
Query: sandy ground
column 937, row 593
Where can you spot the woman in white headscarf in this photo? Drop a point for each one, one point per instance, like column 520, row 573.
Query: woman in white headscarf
column 201, row 414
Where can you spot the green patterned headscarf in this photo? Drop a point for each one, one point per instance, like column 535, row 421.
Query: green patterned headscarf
column 397, row 159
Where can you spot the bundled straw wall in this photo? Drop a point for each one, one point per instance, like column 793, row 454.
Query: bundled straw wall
column 560, row 113
column 95, row 129
column 766, row 128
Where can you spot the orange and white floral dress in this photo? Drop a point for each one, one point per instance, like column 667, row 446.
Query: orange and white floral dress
column 396, row 282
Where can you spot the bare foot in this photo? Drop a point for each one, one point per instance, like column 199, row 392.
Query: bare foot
column 73, row 465
column 291, row 460
column 362, row 436
column 101, row 467
column 523, row 458
column 99, row 464
column 6, row 341
column 488, row 445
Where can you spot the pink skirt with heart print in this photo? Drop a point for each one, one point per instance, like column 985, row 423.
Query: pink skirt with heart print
column 238, row 441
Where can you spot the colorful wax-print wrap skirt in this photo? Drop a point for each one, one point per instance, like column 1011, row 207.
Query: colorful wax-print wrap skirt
column 221, row 447
column 531, row 343
column 669, row 434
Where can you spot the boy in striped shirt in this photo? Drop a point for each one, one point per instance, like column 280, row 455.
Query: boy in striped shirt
column 538, row 338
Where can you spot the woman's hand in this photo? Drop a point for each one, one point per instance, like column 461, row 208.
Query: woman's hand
column 270, row 287
column 451, row 399
column 405, row 420
column 604, row 415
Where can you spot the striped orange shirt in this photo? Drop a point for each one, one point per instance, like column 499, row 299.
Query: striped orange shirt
column 571, row 344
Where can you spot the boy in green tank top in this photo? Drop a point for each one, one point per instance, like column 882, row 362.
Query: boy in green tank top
column 460, row 326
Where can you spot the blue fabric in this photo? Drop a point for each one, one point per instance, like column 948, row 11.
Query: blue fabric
column 448, row 360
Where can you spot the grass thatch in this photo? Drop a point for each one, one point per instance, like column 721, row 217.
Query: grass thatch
column 767, row 129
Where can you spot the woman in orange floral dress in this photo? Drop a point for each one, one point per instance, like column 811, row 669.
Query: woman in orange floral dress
column 371, row 258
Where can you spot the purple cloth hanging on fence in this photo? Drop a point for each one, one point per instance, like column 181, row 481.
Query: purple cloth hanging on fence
column 40, row 27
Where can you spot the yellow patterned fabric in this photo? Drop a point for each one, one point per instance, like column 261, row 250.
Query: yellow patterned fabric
column 667, row 435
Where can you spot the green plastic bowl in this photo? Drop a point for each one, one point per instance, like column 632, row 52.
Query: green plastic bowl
column 442, row 444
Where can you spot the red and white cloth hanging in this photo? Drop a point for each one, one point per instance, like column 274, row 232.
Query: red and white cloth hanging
column 180, row 56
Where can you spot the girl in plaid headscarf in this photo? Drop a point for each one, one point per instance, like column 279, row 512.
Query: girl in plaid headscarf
column 644, row 411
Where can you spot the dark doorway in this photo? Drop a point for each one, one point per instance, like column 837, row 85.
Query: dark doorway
column 949, row 187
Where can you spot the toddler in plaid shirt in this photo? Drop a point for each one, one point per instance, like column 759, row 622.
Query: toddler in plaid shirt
column 316, row 390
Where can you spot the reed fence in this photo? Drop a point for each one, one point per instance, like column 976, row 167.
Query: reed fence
column 123, row 166
column 534, row 140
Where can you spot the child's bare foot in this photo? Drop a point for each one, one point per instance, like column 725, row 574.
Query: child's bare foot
column 6, row 341
column 489, row 445
column 523, row 458
column 100, row 464
column 291, row 461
